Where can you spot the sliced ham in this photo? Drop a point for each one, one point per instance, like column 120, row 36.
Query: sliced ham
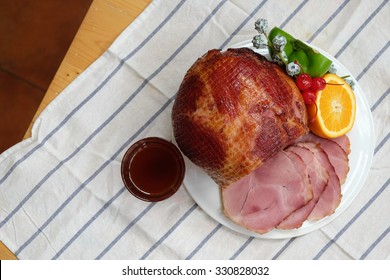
column 331, row 196
column 299, row 183
column 264, row 198
column 344, row 143
column 315, row 160
column 336, row 154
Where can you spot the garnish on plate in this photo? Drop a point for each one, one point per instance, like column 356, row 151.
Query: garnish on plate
column 329, row 98
column 286, row 50
column 333, row 112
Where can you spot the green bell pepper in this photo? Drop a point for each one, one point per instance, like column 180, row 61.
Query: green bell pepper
column 311, row 61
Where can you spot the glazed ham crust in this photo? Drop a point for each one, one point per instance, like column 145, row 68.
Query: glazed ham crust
column 233, row 111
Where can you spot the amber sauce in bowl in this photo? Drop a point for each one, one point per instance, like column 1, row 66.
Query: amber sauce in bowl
column 153, row 169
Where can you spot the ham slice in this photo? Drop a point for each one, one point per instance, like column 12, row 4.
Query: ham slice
column 261, row 201
column 336, row 154
column 331, row 196
column 344, row 143
column 264, row 198
column 315, row 160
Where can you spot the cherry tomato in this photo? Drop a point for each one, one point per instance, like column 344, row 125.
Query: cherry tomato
column 303, row 81
column 318, row 84
column 309, row 96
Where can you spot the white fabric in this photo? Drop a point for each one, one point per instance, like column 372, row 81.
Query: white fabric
column 61, row 193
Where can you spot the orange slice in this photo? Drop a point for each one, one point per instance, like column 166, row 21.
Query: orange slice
column 333, row 113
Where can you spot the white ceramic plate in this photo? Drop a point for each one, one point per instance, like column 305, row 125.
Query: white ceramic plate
column 207, row 194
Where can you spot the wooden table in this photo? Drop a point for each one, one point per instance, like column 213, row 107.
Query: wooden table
column 105, row 20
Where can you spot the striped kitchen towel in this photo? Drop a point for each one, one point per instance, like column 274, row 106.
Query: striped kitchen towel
column 61, row 193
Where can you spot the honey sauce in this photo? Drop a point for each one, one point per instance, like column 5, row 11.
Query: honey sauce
column 153, row 169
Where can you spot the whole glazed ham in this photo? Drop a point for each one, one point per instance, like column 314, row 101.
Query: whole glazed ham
column 243, row 120
column 233, row 111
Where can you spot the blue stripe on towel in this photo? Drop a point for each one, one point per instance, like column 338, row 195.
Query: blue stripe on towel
column 176, row 225
column 146, row 210
column 364, row 24
column 357, row 215
column 204, row 241
column 375, row 243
